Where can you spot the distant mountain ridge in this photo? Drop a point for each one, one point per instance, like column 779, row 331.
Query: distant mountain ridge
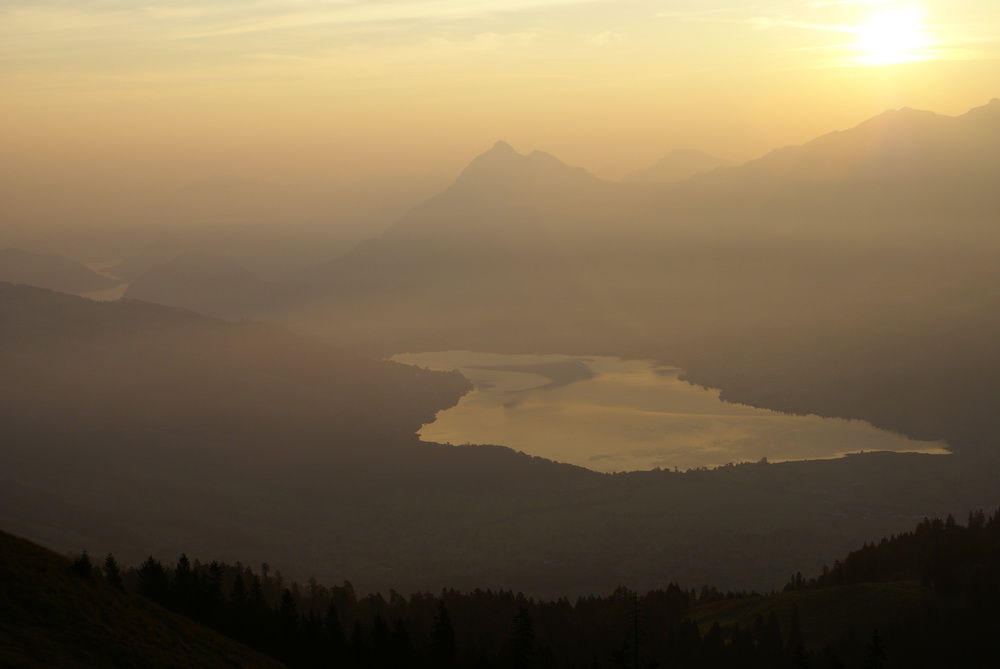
column 896, row 145
column 902, row 172
column 505, row 194
column 48, row 270
column 678, row 165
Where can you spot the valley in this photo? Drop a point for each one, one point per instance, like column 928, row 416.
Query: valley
column 251, row 414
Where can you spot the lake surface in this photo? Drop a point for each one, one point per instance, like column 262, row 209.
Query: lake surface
column 106, row 294
column 610, row 414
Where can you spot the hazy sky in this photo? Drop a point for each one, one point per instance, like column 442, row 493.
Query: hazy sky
column 127, row 92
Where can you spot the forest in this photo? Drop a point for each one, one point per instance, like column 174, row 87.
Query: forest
column 921, row 598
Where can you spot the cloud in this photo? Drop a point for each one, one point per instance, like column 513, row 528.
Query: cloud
column 222, row 19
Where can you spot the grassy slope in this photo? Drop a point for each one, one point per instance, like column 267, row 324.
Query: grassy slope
column 51, row 618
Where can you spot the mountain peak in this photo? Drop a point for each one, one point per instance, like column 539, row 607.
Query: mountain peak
column 504, row 168
column 502, row 147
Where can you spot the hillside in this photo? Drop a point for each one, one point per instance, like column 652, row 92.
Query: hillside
column 203, row 282
column 929, row 594
column 52, row 617
column 246, row 442
column 48, row 270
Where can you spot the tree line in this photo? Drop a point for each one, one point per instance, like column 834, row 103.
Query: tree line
column 312, row 625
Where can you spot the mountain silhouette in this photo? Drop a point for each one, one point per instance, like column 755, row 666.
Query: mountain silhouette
column 905, row 159
column 505, row 197
column 502, row 170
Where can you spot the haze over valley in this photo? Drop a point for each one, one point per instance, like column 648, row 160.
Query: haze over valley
column 799, row 309
column 543, row 299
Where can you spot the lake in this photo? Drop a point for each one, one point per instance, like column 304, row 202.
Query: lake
column 610, row 414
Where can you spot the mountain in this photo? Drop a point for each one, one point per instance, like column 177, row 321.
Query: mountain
column 509, row 198
column 131, row 365
column 814, row 280
column 854, row 276
column 905, row 172
column 53, row 616
column 503, row 202
column 499, row 232
column 48, row 270
column 678, row 165
column 502, row 172
column 199, row 281
column 895, row 146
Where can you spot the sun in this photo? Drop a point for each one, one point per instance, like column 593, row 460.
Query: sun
column 893, row 36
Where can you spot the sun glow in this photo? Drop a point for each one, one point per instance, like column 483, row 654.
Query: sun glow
column 893, row 36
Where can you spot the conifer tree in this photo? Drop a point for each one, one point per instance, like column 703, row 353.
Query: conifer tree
column 213, row 585
column 83, row 567
column 153, row 580
column 772, row 644
column 358, row 646
column 795, row 649
column 519, row 650
column 238, row 595
column 336, row 640
column 876, row 652
column 442, row 648
column 380, row 642
column 400, row 645
column 113, row 573
column 288, row 628
column 184, row 588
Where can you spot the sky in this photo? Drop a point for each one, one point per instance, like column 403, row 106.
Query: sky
column 131, row 95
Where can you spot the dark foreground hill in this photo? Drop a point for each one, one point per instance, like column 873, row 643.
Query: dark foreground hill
column 133, row 428
column 52, row 616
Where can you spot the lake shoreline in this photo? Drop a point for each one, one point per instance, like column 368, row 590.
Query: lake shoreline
column 610, row 414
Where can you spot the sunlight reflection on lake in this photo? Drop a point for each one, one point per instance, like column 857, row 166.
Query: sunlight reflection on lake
column 609, row 414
